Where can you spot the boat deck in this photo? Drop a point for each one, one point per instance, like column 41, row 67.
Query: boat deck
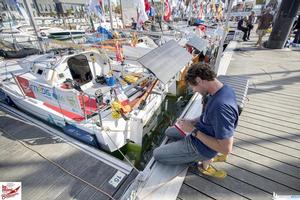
column 51, row 168
column 266, row 154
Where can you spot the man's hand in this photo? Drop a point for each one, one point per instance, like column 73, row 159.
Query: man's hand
column 186, row 125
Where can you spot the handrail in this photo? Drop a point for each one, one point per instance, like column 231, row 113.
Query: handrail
column 18, row 84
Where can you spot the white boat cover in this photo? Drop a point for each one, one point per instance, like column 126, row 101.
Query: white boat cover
column 166, row 61
column 199, row 43
column 133, row 53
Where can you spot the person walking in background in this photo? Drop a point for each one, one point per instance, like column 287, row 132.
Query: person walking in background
column 242, row 26
column 264, row 24
column 250, row 23
column 297, row 29
column 133, row 23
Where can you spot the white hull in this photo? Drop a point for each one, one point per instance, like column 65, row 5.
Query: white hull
column 112, row 137
column 68, row 91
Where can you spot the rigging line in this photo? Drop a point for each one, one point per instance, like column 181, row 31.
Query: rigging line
column 58, row 165
column 106, row 131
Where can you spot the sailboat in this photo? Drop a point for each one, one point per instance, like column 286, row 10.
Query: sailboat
column 101, row 102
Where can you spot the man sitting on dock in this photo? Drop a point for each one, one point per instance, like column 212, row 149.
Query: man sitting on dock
column 211, row 133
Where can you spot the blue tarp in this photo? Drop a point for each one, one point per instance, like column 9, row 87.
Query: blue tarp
column 101, row 35
column 103, row 31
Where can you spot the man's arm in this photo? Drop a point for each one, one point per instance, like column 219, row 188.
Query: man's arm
column 223, row 146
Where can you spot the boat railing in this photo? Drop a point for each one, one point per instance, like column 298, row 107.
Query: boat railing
column 18, row 84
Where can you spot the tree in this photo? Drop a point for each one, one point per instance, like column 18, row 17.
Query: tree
column 69, row 12
column 118, row 9
column 52, row 14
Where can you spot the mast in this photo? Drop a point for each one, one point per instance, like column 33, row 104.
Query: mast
column 220, row 50
column 10, row 25
column 110, row 15
column 162, row 10
column 29, row 11
column 122, row 14
column 190, row 10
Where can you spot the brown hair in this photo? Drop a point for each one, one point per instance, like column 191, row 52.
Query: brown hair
column 200, row 70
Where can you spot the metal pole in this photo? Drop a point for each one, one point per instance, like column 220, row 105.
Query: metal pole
column 220, row 50
column 29, row 11
column 283, row 23
column 162, row 10
column 122, row 13
column 190, row 12
column 110, row 15
column 10, row 24
column 18, row 84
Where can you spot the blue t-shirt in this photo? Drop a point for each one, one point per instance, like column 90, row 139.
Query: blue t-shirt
column 219, row 119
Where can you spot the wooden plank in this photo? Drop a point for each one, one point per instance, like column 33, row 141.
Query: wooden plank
column 258, row 126
column 264, row 171
column 15, row 168
column 254, row 179
column 97, row 196
column 272, row 121
column 236, row 186
column 43, row 180
column 125, row 184
column 278, row 93
column 268, row 133
column 99, row 175
column 64, row 187
column 272, row 163
column 273, row 110
column 38, row 179
column 76, row 169
column 268, row 96
column 209, row 188
column 190, row 193
column 294, row 109
column 278, row 116
column 88, row 193
column 164, row 183
column 247, row 141
column 276, row 130
column 287, row 93
column 272, row 101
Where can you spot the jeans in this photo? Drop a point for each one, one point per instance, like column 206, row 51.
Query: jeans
column 261, row 33
column 250, row 27
column 245, row 30
column 181, row 151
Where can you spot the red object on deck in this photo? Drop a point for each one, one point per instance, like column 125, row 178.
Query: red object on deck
column 90, row 104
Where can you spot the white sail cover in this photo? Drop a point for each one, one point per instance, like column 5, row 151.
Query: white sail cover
column 166, row 61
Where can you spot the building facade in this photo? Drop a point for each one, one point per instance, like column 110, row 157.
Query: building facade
column 44, row 8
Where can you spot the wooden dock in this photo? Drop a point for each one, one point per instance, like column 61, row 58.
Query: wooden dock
column 266, row 154
column 49, row 167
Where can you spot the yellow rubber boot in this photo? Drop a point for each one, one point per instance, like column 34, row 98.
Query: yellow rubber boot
column 213, row 172
column 220, row 158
